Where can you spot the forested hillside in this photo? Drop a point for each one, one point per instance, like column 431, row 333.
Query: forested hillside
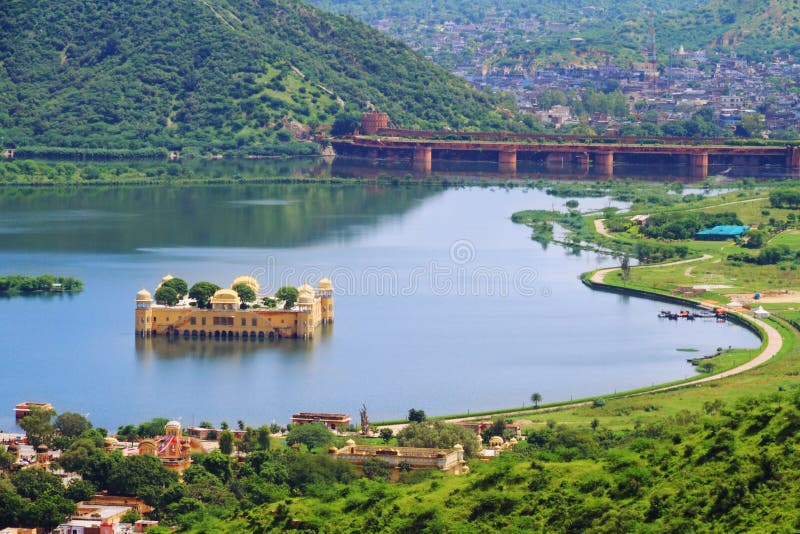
column 210, row 76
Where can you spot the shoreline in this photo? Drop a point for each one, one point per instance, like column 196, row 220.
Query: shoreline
column 771, row 344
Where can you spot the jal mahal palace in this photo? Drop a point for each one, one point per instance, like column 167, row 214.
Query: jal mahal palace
column 227, row 318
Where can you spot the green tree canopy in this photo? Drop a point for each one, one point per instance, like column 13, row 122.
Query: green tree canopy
column 38, row 426
column 178, row 284
column 140, row 476
column 166, row 295
column 72, row 424
column 345, row 123
column 416, row 416
column 226, row 442
column 202, row 293
column 245, row 292
column 437, row 434
column 312, row 435
column 288, row 294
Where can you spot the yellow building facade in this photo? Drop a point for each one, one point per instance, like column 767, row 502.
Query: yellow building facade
column 226, row 319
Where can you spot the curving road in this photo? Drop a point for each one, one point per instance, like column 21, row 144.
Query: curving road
column 600, row 274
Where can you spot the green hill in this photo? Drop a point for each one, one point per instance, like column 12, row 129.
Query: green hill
column 210, row 76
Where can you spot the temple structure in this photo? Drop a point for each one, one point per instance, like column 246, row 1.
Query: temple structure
column 227, row 318
column 447, row 460
column 173, row 449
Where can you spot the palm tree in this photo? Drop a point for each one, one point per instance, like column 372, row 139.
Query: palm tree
column 536, row 398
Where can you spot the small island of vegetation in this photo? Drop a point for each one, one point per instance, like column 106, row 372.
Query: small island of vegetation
column 20, row 284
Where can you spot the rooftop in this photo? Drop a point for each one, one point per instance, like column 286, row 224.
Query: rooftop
column 724, row 231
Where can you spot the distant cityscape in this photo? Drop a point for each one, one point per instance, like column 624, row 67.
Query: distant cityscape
column 682, row 83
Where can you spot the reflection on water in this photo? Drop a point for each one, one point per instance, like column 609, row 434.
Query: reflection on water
column 165, row 347
column 533, row 170
column 282, row 215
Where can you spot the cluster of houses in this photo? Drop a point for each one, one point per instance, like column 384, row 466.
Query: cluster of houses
column 104, row 514
column 688, row 81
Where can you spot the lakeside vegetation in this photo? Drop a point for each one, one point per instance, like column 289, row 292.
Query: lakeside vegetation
column 20, row 284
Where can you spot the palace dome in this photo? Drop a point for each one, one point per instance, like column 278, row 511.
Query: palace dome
column 143, row 296
column 325, row 285
column 225, row 296
column 247, row 280
column 167, row 278
column 305, row 288
column 173, row 423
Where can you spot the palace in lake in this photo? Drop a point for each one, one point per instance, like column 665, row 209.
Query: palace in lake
column 227, row 318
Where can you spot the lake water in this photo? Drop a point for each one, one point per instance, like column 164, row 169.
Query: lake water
column 442, row 304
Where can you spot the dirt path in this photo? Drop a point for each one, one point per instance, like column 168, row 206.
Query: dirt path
column 728, row 203
column 600, row 226
column 600, row 275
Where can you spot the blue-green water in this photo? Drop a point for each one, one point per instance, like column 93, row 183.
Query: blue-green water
column 442, row 304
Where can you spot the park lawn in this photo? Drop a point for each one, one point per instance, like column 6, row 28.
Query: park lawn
column 744, row 278
column 790, row 238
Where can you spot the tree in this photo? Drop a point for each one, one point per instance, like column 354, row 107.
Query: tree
column 38, row 426
column 7, row 459
column 11, row 504
column 140, row 476
column 497, row 428
column 756, row 238
column 386, row 434
column 130, row 517
column 437, row 435
column 226, row 442
column 312, row 435
column 166, row 295
column 752, row 125
column 245, row 292
column 288, row 294
column 626, row 267
column 34, row 483
column 536, row 398
column 263, row 437
column 80, row 490
column 345, row 123
column 376, row 469
column 202, row 293
column 47, row 511
column 178, row 284
column 152, row 428
column 90, row 461
column 416, row 416
column 72, row 424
